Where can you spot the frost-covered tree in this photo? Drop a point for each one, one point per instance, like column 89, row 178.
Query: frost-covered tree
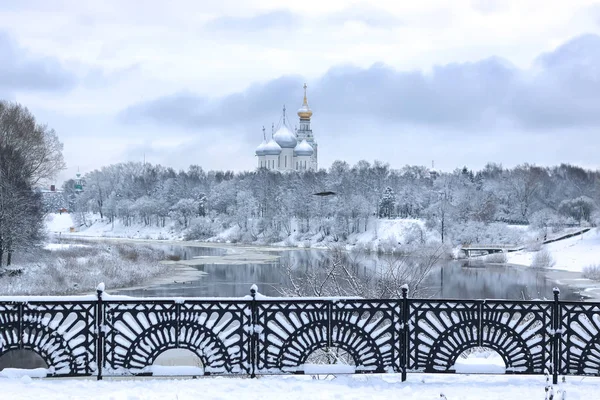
column 387, row 203
column 30, row 153
column 461, row 205
column 580, row 209
column 184, row 210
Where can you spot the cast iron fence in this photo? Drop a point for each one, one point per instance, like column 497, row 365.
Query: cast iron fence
column 111, row 335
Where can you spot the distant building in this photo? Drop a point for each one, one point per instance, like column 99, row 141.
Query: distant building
column 78, row 186
column 290, row 149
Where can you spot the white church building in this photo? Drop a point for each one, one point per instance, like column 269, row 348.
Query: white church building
column 290, row 149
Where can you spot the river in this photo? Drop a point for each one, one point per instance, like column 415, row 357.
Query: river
column 447, row 279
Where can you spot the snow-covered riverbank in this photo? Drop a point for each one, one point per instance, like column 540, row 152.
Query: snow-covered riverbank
column 380, row 235
column 572, row 254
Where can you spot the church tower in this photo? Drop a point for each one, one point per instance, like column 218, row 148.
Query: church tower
column 287, row 150
column 304, row 132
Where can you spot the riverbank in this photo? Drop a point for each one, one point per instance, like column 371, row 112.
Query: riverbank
column 380, row 235
column 184, row 271
column 568, row 258
column 571, row 254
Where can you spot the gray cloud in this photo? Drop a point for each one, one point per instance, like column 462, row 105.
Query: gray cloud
column 22, row 71
column 562, row 90
column 260, row 22
column 258, row 105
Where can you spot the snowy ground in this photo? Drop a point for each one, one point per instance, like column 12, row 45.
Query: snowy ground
column 62, row 224
column 381, row 233
column 417, row 387
column 571, row 254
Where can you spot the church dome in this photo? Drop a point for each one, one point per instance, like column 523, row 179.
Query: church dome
column 271, row 148
column 303, row 149
column 285, row 138
column 260, row 150
column 304, row 112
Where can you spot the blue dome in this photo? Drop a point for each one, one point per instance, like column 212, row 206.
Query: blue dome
column 285, row 138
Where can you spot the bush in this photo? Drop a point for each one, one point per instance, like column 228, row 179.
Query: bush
column 496, row 258
column 591, row 272
column 478, row 232
column 199, row 229
column 80, row 269
column 542, row 259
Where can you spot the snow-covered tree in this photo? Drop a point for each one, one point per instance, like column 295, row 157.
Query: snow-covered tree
column 387, row 203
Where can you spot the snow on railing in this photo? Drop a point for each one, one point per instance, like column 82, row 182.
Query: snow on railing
column 104, row 334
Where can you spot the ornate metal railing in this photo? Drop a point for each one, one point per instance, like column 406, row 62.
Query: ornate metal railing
column 109, row 335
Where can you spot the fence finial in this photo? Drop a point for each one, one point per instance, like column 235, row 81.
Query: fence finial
column 253, row 290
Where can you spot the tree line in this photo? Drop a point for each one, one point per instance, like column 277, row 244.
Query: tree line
column 461, row 206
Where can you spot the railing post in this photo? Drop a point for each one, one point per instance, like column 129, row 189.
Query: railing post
column 253, row 334
column 20, row 311
column 100, row 330
column 556, row 335
column 404, row 333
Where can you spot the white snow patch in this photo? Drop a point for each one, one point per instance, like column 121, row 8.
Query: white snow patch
column 417, row 387
column 324, row 369
column 58, row 223
column 572, row 254
column 62, row 246
column 480, row 363
column 17, row 373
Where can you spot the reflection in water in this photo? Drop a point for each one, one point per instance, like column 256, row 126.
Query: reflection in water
column 448, row 279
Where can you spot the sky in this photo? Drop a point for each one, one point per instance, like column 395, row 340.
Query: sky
column 456, row 82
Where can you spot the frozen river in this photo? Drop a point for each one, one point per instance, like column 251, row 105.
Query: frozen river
column 448, row 279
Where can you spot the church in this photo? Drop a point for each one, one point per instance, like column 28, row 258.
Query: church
column 290, row 149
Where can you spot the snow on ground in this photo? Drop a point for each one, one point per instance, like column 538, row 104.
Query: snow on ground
column 487, row 362
column 417, row 387
column 389, row 234
column 118, row 230
column 571, row 254
column 61, row 223
column 58, row 223
column 62, row 246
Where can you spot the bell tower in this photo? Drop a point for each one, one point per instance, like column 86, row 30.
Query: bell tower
column 304, row 132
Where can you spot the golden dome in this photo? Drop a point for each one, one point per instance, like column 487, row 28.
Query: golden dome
column 305, row 112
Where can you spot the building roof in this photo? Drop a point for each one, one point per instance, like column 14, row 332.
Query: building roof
column 303, row 149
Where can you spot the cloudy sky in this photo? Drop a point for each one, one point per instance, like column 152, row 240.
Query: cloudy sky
column 461, row 82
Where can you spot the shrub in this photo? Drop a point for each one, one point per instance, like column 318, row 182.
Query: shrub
column 591, row 272
column 542, row 259
column 80, row 269
column 199, row 229
column 496, row 258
